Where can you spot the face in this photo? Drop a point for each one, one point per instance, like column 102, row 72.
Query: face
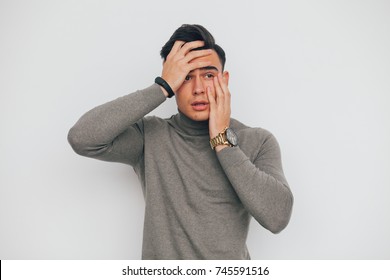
column 191, row 97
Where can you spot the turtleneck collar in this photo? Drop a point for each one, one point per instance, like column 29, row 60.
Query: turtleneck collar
column 189, row 126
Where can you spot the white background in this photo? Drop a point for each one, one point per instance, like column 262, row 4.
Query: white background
column 315, row 73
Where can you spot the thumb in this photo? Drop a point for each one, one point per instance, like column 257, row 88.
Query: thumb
column 210, row 97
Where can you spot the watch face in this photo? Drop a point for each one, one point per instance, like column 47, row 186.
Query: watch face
column 231, row 136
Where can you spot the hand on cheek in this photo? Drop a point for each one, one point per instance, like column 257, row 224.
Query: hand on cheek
column 219, row 99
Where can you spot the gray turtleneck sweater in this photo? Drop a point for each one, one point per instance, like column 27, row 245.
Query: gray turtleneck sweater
column 198, row 203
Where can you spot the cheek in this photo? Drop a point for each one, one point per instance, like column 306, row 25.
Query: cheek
column 181, row 99
column 183, row 90
column 178, row 98
column 209, row 83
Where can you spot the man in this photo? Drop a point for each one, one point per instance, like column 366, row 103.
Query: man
column 203, row 173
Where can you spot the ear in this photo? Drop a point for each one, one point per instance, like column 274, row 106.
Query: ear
column 225, row 76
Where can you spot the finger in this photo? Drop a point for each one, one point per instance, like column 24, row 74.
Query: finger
column 224, row 88
column 195, row 54
column 211, row 97
column 212, row 101
column 177, row 46
column 223, row 84
column 218, row 91
column 189, row 46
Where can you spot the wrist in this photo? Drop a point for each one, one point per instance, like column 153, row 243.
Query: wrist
column 168, row 92
column 169, row 82
column 220, row 147
column 215, row 131
column 227, row 137
column 164, row 91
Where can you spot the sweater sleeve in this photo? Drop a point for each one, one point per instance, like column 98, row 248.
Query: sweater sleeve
column 260, row 185
column 113, row 131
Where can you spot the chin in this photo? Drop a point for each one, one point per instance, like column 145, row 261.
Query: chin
column 200, row 116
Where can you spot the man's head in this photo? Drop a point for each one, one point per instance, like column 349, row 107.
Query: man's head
column 191, row 97
column 190, row 33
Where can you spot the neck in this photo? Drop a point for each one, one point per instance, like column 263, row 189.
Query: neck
column 190, row 126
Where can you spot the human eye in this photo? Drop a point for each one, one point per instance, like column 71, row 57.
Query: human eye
column 209, row 75
column 187, row 78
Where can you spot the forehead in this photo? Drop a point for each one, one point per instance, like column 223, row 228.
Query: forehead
column 213, row 57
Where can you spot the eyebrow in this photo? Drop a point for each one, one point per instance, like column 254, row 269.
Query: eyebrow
column 207, row 68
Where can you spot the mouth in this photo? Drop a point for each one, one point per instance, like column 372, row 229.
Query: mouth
column 200, row 105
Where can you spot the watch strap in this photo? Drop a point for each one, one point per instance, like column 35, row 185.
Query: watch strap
column 220, row 139
column 160, row 81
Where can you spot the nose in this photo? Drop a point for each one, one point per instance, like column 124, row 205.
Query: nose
column 198, row 86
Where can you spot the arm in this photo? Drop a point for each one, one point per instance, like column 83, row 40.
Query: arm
column 110, row 131
column 261, row 185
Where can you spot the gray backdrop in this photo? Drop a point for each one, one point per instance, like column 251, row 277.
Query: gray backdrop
column 315, row 73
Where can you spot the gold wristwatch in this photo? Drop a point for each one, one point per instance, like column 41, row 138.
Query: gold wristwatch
column 226, row 137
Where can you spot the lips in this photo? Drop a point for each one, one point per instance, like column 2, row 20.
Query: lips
column 199, row 105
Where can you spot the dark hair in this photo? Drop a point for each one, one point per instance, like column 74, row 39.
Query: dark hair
column 193, row 32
